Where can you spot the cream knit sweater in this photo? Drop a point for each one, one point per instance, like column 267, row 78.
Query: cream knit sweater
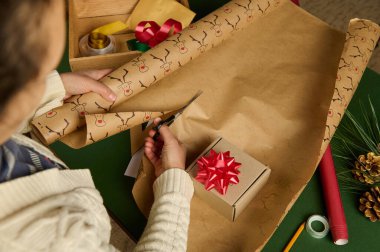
column 61, row 210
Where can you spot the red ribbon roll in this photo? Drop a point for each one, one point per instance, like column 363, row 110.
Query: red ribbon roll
column 218, row 171
column 154, row 34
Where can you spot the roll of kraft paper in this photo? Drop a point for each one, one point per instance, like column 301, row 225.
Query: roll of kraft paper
column 333, row 200
column 144, row 71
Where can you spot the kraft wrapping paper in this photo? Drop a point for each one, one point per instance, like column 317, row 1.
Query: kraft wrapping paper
column 280, row 100
column 144, row 71
column 268, row 86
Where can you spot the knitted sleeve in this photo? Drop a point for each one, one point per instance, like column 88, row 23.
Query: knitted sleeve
column 169, row 218
column 53, row 210
column 53, row 97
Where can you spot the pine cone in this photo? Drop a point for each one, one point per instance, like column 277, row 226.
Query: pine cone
column 370, row 204
column 367, row 168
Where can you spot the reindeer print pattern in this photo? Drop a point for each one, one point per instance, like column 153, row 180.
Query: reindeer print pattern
column 182, row 47
column 165, row 63
column 148, row 85
column 140, row 63
column 91, row 138
column 59, row 133
column 202, row 46
column 125, row 85
column 79, row 107
column 215, row 26
column 124, row 120
column 99, row 120
column 248, row 9
column 103, row 108
column 180, row 44
column 263, row 9
column 356, row 53
column 147, row 116
column 234, row 25
column 51, row 113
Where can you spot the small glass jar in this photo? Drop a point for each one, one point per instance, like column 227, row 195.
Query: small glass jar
column 97, row 44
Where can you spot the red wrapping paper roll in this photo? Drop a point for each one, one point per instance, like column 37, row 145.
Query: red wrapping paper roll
column 333, row 200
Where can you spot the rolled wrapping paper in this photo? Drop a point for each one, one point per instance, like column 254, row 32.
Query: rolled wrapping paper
column 99, row 126
column 333, row 200
column 107, row 122
column 145, row 70
column 361, row 38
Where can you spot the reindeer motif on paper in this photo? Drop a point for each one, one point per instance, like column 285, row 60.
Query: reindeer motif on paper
column 165, row 64
column 351, row 88
column 329, row 134
column 146, row 86
column 180, row 44
column 79, row 107
column 263, row 10
column 125, row 85
column 351, row 67
column 227, row 9
column 248, row 10
column 340, row 98
column 99, row 120
column 337, row 96
column 91, row 138
column 202, row 46
column 234, row 26
column 51, row 113
column 59, row 133
column 147, row 116
column 330, row 113
column 362, row 55
column 124, row 121
column 103, row 108
column 216, row 26
column 357, row 38
column 140, row 63
column 369, row 27
column 192, row 27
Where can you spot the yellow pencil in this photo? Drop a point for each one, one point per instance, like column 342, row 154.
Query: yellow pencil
column 294, row 238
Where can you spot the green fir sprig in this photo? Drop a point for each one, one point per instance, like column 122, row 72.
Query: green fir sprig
column 356, row 136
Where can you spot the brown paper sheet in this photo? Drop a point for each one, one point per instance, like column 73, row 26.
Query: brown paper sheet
column 267, row 89
column 272, row 101
column 139, row 74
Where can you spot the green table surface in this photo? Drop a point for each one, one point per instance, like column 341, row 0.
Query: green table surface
column 109, row 158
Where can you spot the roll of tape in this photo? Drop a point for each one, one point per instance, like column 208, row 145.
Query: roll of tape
column 314, row 233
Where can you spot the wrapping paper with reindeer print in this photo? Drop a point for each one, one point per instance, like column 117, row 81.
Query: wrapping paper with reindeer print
column 280, row 100
column 361, row 38
column 268, row 72
column 144, row 71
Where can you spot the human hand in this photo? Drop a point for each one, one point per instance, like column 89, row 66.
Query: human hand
column 165, row 153
column 87, row 81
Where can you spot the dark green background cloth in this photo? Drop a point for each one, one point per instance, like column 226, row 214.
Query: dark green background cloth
column 109, row 158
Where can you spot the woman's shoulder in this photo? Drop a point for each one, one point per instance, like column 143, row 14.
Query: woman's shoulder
column 51, row 209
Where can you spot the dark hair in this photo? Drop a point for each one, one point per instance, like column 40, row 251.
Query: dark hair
column 22, row 46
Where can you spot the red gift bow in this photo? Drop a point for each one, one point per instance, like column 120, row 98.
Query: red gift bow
column 218, row 171
column 155, row 34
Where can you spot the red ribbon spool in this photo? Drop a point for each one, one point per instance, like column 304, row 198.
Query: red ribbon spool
column 154, row 34
column 218, row 171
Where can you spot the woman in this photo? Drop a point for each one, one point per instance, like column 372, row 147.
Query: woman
column 44, row 205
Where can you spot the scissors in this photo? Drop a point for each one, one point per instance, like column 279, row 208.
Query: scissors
column 172, row 118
